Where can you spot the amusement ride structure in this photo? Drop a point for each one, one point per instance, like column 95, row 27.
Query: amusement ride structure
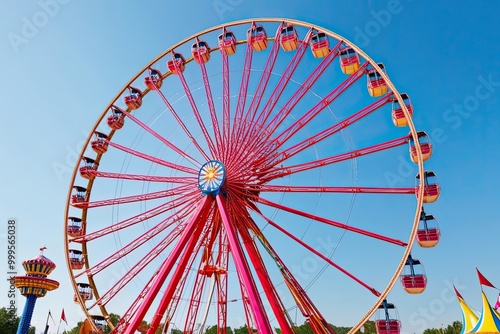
column 34, row 285
column 251, row 174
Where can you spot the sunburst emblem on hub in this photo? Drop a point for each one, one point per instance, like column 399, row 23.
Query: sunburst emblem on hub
column 211, row 177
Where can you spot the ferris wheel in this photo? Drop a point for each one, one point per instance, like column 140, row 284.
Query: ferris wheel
column 248, row 175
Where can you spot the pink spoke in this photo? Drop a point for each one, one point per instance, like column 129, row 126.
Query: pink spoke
column 324, row 258
column 167, row 266
column 211, row 107
column 264, row 79
column 139, row 266
column 284, row 80
column 179, row 191
column 280, row 172
column 226, row 106
column 309, row 115
column 243, row 270
column 330, row 222
column 197, row 115
column 324, row 189
column 138, row 218
column 181, row 123
column 153, row 159
column 163, row 140
column 136, row 243
column 334, row 128
column 136, row 177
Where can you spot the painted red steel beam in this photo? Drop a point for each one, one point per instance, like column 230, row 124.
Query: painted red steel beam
column 197, row 115
column 244, row 273
column 299, row 147
column 331, row 222
column 161, row 138
column 222, row 283
column 138, row 218
column 151, row 294
column 226, row 106
column 138, row 177
column 153, row 159
column 321, row 105
column 181, row 123
column 323, row 257
column 327, row 189
column 283, row 171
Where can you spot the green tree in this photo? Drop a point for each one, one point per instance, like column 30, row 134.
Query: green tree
column 9, row 322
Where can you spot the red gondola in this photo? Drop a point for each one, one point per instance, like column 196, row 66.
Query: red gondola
column 99, row 321
column 88, row 168
column 289, row 39
column 78, row 196
column 154, row 80
column 85, row 291
column 257, row 38
column 134, row 99
column 76, row 259
column 398, row 116
column 227, row 43
column 425, row 147
column 74, row 228
column 432, row 189
column 320, row 45
column 375, row 82
column 349, row 60
column 177, row 64
column 387, row 319
column 99, row 143
column 413, row 278
column 201, row 52
column 116, row 119
column 428, row 233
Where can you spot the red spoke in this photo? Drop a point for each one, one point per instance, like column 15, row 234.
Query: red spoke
column 181, row 123
column 196, row 113
column 282, row 171
column 330, row 222
column 163, row 140
column 323, row 189
column 153, row 159
column 174, row 203
column 226, row 106
column 179, row 191
column 137, row 177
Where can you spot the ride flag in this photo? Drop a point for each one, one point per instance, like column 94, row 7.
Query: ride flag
column 497, row 304
column 63, row 317
column 483, row 280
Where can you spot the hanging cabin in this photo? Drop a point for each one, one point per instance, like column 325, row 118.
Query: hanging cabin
column 387, row 321
column 319, row 44
column 375, row 82
column 154, row 80
column 432, row 189
column 78, row 196
column 74, row 227
column 413, row 278
column 99, row 322
column 85, row 291
column 428, row 233
column 76, row 260
column 289, row 39
column 99, row 144
column 88, row 168
column 134, row 99
column 398, row 115
column 257, row 38
column 177, row 64
column 425, row 147
column 201, row 52
column 227, row 43
column 349, row 60
column 116, row 119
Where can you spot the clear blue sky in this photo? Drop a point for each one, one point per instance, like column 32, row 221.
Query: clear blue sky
column 57, row 78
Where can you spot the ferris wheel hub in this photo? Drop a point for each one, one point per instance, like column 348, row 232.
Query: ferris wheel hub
column 211, row 177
